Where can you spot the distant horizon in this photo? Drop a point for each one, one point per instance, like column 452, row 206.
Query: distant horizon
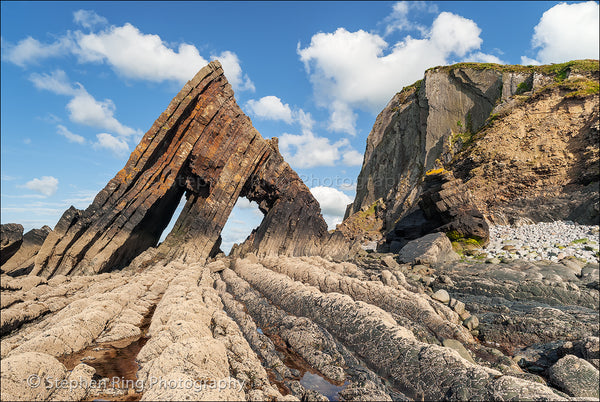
column 82, row 82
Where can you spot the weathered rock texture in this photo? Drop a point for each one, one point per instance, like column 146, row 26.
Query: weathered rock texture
column 524, row 140
column 429, row 249
column 23, row 261
column 202, row 146
column 445, row 205
column 306, row 328
column 11, row 237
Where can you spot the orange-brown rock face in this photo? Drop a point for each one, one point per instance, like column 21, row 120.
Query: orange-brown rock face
column 204, row 147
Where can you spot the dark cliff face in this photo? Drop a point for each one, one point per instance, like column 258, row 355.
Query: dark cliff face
column 441, row 120
column 204, row 147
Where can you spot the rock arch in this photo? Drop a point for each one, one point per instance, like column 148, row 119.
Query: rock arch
column 205, row 148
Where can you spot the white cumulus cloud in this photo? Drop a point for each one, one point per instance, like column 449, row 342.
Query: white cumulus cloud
column 46, row 185
column 62, row 130
column 31, row 51
column 131, row 53
column 567, row 32
column 333, row 204
column 83, row 108
column 88, row 18
column 360, row 70
column 118, row 147
column 87, row 110
column 309, row 150
column 136, row 55
column 270, row 108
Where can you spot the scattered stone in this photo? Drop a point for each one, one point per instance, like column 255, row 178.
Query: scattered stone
column 576, row 377
column 559, row 240
column 442, row 296
column 457, row 306
column 459, row 347
column 471, row 322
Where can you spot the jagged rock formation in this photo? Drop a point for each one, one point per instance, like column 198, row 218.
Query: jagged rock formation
column 11, row 238
column 23, row 260
column 202, row 146
column 445, row 205
column 273, row 325
column 524, row 140
column 304, row 328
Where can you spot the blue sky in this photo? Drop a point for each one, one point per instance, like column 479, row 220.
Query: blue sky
column 81, row 82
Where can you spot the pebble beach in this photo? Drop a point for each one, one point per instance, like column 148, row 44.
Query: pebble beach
column 551, row 241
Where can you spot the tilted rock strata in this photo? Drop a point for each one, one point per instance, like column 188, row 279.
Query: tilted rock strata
column 23, row 261
column 520, row 161
column 392, row 350
column 202, row 146
column 11, row 238
column 192, row 338
column 368, row 324
column 414, row 308
column 314, row 344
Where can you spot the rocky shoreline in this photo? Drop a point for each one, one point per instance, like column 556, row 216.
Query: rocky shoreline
column 436, row 305
column 312, row 328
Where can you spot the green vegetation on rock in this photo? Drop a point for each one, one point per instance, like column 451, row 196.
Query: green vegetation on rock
column 560, row 71
column 525, row 86
column 409, row 90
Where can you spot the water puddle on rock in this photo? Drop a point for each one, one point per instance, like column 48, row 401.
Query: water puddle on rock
column 309, row 377
column 323, row 386
column 113, row 360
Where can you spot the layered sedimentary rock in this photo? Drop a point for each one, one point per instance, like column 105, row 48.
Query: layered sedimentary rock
column 445, row 205
column 518, row 137
column 203, row 147
column 303, row 328
column 23, row 260
column 11, row 238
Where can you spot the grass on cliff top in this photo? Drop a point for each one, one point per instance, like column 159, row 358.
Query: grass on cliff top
column 581, row 87
column 559, row 71
column 409, row 89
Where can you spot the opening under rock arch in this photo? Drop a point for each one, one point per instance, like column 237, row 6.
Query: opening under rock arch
column 244, row 218
column 173, row 219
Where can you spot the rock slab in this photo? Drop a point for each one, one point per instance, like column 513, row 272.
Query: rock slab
column 429, row 249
